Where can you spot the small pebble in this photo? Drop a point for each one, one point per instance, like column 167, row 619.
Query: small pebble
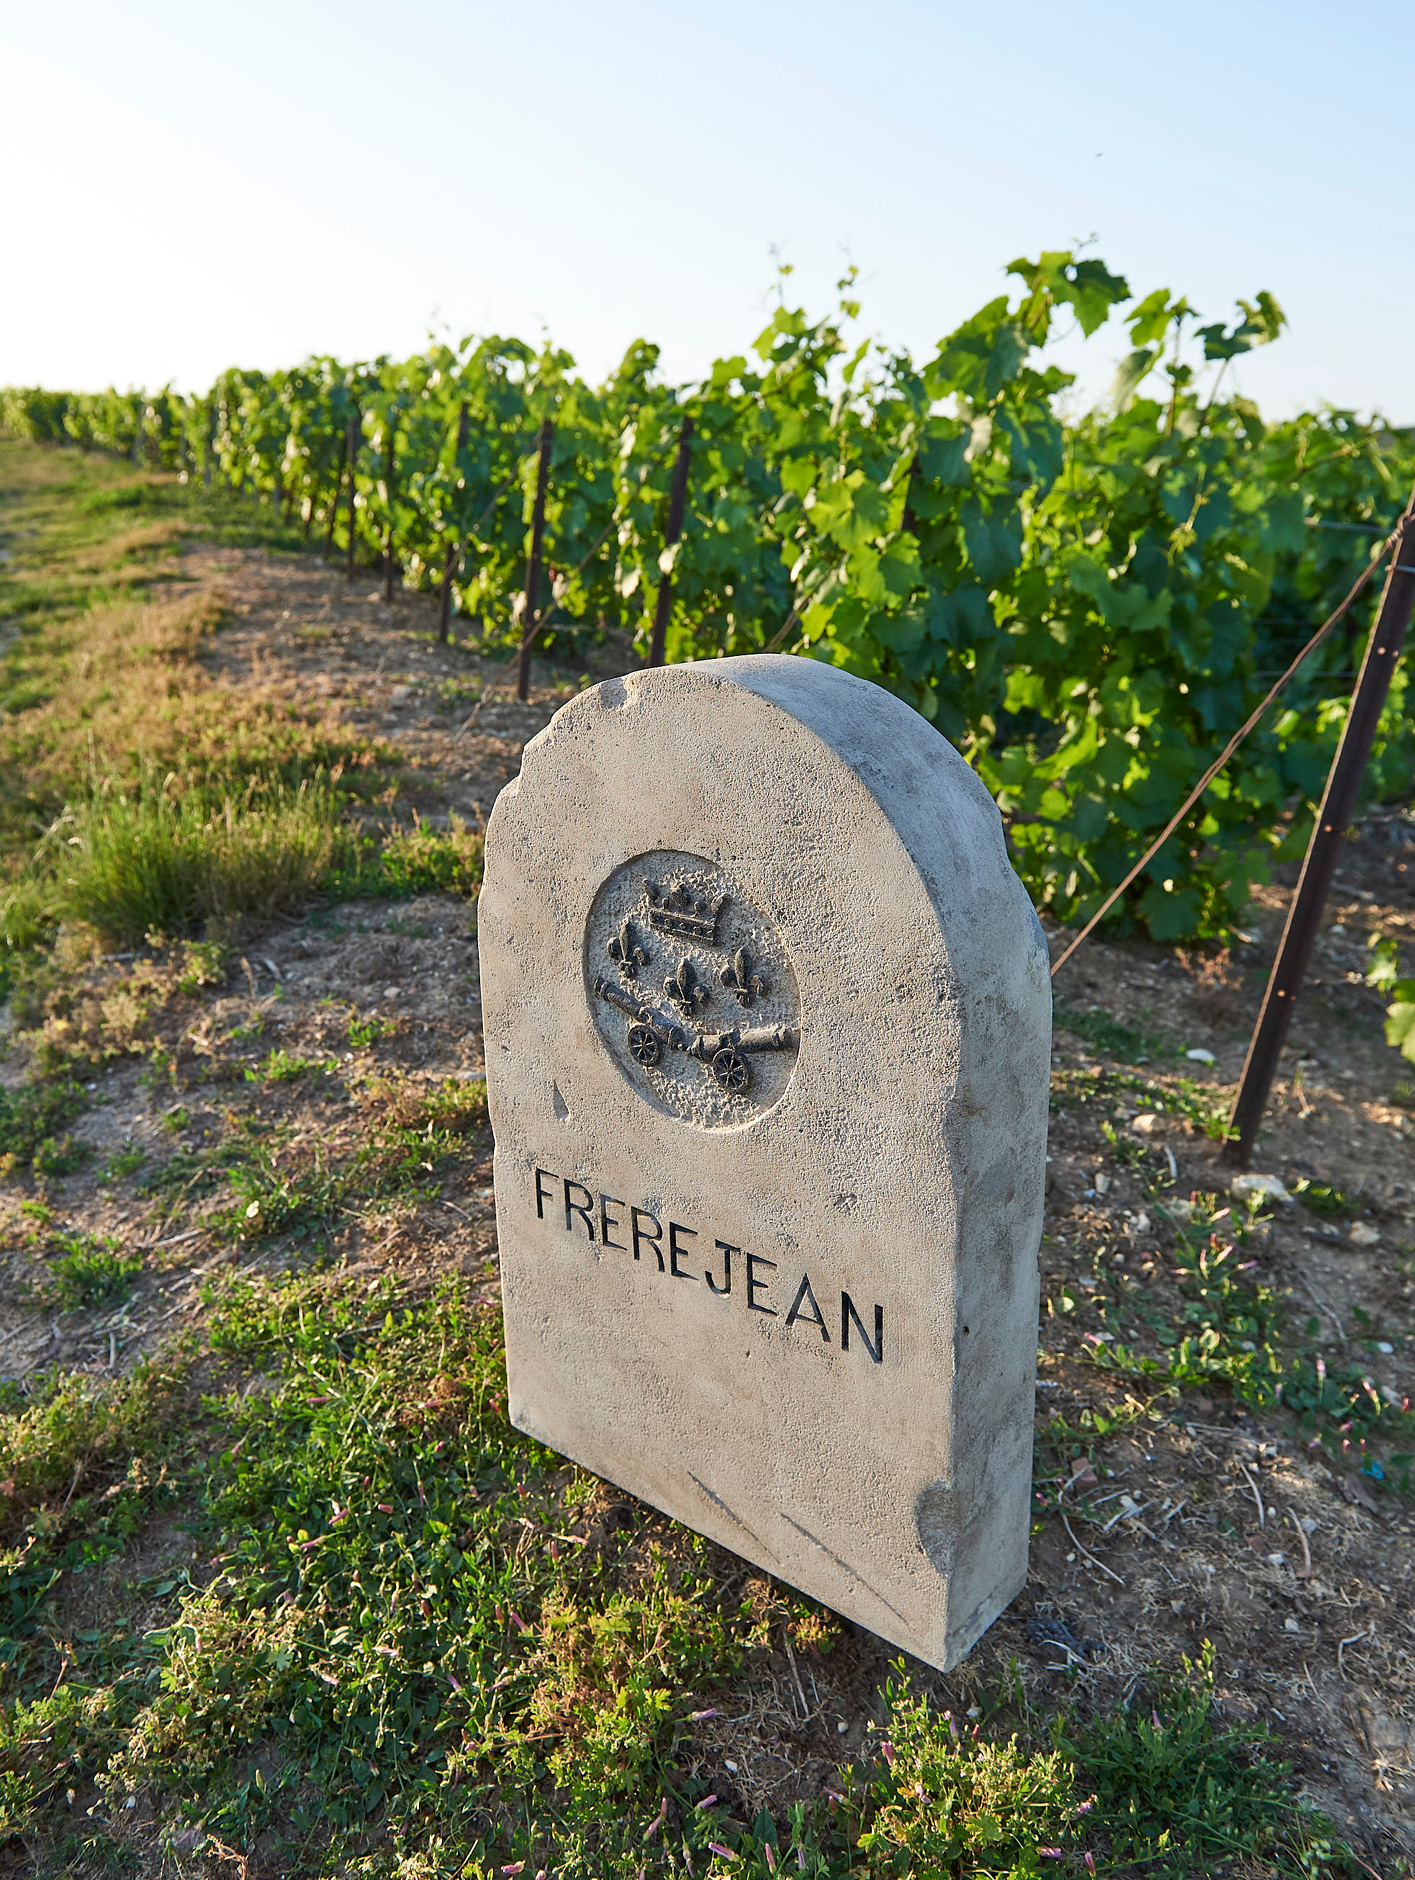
column 1254, row 1187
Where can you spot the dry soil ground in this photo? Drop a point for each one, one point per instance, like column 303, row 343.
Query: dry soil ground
column 1203, row 1521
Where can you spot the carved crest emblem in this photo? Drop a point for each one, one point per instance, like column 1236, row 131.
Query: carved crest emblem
column 693, row 1054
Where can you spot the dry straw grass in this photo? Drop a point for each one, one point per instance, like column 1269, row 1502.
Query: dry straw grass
column 124, row 689
column 138, row 791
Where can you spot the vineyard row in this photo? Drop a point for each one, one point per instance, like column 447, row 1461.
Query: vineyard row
column 1087, row 605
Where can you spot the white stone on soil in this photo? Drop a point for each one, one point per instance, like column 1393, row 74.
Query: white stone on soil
column 767, row 1024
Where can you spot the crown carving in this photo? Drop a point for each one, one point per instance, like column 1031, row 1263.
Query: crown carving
column 679, row 909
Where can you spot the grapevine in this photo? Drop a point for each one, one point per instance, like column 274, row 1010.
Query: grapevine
column 1086, row 606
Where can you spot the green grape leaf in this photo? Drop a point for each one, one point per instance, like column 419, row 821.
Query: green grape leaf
column 1400, row 1020
column 943, row 453
column 1058, row 279
column 994, row 541
column 1133, row 368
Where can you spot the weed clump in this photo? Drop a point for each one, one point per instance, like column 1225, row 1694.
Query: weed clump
column 1326, row 1199
column 33, row 1128
column 1178, row 1796
column 283, row 1067
column 272, row 1198
column 453, row 1107
column 421, row 859
column 367, row 1030
column 91, row 1270
column 170, row 860
column 947, row 1800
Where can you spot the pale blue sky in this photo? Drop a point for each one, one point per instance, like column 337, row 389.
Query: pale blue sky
column 190, row 187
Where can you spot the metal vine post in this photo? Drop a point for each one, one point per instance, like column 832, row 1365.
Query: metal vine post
column 388, row 461
column 1383, row 649
column 677, row 498
column 352, row 448
column 454, row 546
column 529, row 617
column 338, row 491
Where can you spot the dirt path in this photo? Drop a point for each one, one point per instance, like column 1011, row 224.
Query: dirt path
column 302, row 629
column 1204, row 1522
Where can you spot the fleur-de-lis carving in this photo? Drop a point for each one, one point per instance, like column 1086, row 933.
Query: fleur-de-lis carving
column 685, row 990
column 741, row 981
column 625, row 951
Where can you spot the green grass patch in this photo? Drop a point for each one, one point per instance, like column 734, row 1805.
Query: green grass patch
column 33, row 1128
column 90, row 1270
column 1234, row 1331
column 58, row 1156
column 419, row 860
column 86, row 526
column 1176, row 1795
column 194, row 1174
column 458, row 691
column 365, row 1030
column 381, row 1636
column 273, row 1198
column 103, row 680
column 127, row 1162
column 170, row 859
column 1108, row 1034
column 283, row 1067
column 280, row 1189
column 165, row 860
column 452, row 1107
column 1326, row 1199
column 169, row 804
column 268, row 1186
column 1123, row 1094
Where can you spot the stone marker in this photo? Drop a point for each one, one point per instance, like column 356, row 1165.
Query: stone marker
column 767, row 1020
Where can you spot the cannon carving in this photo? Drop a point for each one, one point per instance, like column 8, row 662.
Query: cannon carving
column 727, row 1054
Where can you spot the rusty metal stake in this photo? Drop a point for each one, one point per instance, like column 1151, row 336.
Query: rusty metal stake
column 351, row 443
column 677, row 498
column 454, row 547
column 388, row 463
column 334, row 509
column 1324, row 849
column 528, row 619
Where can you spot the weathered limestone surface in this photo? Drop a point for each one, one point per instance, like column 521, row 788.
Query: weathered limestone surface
column 767, row 1022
